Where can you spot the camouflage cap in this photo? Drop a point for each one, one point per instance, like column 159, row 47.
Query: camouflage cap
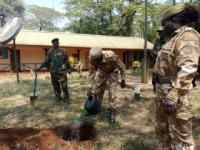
column 54, row 40
column 172, row 10
column 95, row 52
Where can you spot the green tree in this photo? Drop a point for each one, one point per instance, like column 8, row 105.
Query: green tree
column 11, row 8
column 154, row 12
column 101, row 16
column 114, row 17
column 42, row 18
column 110, row 17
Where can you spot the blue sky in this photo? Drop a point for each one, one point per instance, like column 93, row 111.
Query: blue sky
column 56, row 4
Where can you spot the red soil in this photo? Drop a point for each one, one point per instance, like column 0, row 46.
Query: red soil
column 43, row 139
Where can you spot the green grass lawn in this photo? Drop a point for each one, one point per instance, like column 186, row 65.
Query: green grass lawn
column 134, row 129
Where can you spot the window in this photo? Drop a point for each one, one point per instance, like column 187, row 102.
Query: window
column 3, row 53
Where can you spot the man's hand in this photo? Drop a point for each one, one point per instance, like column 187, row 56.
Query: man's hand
column 123, row 84
column 169, row 106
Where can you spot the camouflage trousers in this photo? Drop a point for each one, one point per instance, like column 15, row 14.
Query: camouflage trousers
column 59, row 82
column 107, row 82
column 173, row 132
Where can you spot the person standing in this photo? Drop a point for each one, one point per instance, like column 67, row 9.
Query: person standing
column 176, row 65
column 157, row 46
column 105, row 66
column 57, row 62
column 79, row 66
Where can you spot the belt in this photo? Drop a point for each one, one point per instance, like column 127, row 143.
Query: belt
column 163, row 79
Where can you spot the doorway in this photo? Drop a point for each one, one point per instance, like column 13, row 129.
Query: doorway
column 12, row 60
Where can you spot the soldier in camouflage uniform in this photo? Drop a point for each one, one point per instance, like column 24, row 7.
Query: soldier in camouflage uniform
column 106, row 64
column 57, row 62
column 157, row 46
column 158, row 43
column 176, row 65
column 79, row 66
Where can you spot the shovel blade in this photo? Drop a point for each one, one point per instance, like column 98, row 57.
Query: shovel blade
column 32, row 98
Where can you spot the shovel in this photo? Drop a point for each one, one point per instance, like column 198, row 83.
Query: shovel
column 34, row 97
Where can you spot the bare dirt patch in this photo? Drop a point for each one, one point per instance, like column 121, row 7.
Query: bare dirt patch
column 61, row 138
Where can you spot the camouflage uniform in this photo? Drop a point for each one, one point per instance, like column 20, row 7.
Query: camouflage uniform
column 107, row 76
column 177, row 60
column 58, row 63
column 79, row 67
column 157, row 46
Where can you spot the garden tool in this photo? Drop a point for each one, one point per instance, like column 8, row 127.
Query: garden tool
column 92, row 104
column 34, row 97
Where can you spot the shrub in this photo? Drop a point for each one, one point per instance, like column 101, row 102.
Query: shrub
column 71, row 60
column 136, row 65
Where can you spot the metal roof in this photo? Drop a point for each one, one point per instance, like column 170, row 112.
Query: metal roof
column 80, row 40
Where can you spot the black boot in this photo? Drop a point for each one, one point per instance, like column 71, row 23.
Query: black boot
column 66, row 99
column 112, row 116
column 58, row 98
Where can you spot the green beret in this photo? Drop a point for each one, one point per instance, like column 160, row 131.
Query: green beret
column 55, row 40
column 172, row 10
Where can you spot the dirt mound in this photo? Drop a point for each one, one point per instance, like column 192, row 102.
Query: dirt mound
column 60, row 138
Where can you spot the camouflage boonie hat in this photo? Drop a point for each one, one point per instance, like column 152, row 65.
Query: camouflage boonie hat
column 95, row 52
column 172, row 10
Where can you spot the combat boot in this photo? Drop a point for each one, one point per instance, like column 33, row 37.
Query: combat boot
column 66, row 99
column 112, row 116
column 58, row 98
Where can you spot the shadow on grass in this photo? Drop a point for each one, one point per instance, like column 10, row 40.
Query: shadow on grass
column 142, row 142
column 196, row 127
column 133, row 106
column 196, row 131
column 25, row 88
column 103, row 116
column 24, row 115
column 47, row 112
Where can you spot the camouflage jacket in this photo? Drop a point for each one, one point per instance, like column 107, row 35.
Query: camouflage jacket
column 178, row 59
column 57, row 61
column 110, row 64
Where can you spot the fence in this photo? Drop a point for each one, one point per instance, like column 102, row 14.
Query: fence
column 23, row 66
